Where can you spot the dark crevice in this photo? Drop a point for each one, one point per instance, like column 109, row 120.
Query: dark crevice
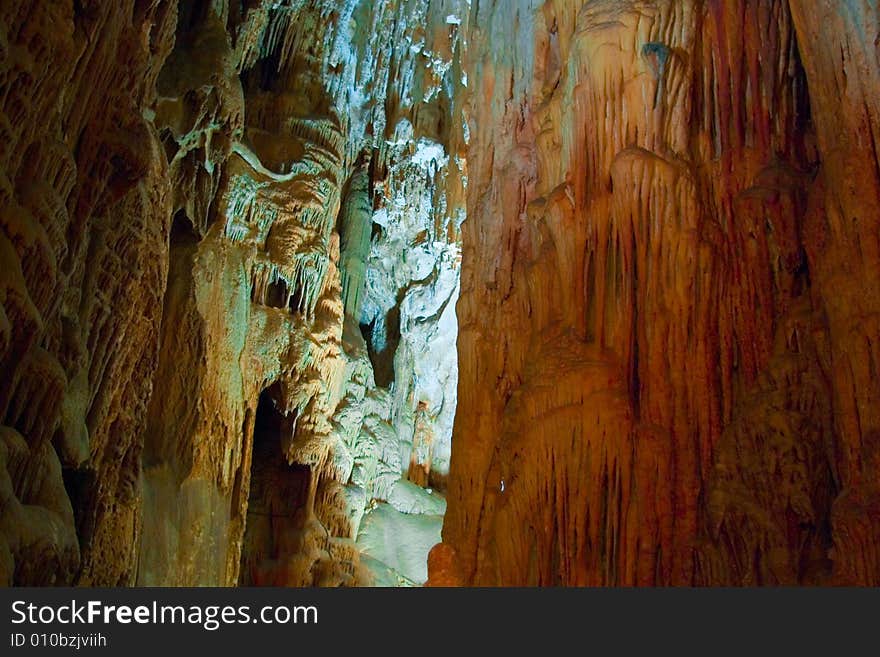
column 278, row 492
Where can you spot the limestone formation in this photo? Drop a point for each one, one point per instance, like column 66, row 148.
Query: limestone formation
column 282, row 280
column 189, row 191
column 673, row 214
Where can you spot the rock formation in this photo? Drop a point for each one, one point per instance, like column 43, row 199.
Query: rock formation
column 673, row 213
column 240, row 241
column 206, row 207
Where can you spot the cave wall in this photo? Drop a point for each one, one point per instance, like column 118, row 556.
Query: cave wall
column 231, row 242
column 188, row 205
column 668, row 317
column 86, row 214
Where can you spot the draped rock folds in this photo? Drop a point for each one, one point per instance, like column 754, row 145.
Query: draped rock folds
column 668, row 326
column 235, row 262
column 188, row 191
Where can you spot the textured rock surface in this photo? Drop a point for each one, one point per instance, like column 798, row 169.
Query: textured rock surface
column 189, row 250
column 668, row 341
column 232, row 248
column 86, row 210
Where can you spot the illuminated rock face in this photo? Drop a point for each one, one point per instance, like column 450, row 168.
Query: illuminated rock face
column 668, row 315
column 190, row 257
column 231, row 242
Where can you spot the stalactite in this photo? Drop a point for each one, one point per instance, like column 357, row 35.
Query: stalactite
column 653, row 214
column 86, row 257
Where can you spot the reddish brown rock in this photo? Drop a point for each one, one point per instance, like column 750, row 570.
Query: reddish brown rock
column 658, row 384
column 443, row 567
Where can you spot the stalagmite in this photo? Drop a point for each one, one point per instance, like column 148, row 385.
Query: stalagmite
column 355, row 231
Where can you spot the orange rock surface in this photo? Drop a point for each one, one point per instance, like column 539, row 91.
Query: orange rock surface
column 668, row 342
